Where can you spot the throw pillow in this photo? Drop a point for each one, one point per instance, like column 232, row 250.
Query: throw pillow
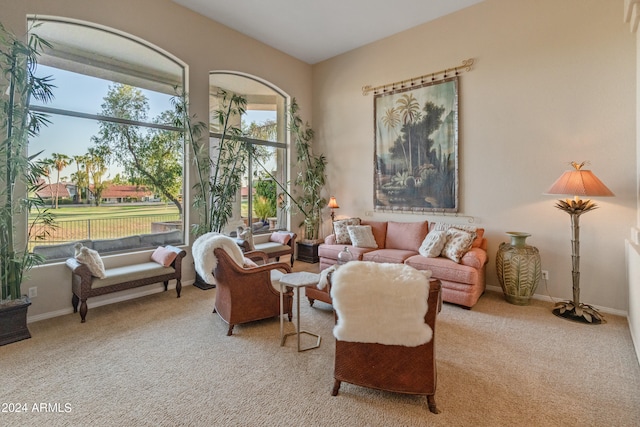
column 247, row 236
column 362, row 236
column 433, row 244
column 282, row 238
column 477, row 242
column 458, row 243
column 163, row 256
column 92, row 259
column 341, row 232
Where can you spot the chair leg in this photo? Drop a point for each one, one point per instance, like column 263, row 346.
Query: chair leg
column 230, row 331
column 336, row 387
column 75, row 301
column 311, row 301
column 431, row 401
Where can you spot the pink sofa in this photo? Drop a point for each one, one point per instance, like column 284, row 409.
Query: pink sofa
column 398, row 242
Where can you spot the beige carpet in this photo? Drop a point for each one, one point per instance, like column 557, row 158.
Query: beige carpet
column 163, row 361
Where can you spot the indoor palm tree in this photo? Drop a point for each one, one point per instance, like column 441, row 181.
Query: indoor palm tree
column 19, row 172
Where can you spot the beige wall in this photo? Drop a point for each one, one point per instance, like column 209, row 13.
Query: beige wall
column 554, row 81
column 201, row 43
column 633, row 246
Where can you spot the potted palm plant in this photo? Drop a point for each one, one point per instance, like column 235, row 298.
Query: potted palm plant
column 219, row 173
column 19, row 174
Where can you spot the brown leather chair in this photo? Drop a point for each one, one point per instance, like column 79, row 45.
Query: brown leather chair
column 313, row 293
column 245, row 294
column 395, row 368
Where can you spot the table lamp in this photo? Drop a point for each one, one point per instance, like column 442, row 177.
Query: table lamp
column 577, row 183
column 333, row 204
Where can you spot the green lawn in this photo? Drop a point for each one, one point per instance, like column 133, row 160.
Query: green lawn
column 81, row 212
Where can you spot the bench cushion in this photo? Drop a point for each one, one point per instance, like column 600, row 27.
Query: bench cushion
column 272, row 247
column 130, row 273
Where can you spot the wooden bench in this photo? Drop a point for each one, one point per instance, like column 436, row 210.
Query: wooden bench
column 84, row 285
column 275, row 250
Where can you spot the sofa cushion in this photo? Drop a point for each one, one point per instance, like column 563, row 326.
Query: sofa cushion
column 361, row 236
column 433, row 244
column 406, row 235
column 445, row 269
column 379, row 230
column 396, row 256
column 332, row 251
column 341, row 232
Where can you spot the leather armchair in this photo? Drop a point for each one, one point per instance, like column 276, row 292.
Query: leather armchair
column 395, row 368
column 246, row 294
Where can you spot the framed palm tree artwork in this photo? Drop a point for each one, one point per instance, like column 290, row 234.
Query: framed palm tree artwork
column 416, row 148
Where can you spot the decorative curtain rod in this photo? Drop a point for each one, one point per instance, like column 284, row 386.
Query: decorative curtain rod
column 466, row 66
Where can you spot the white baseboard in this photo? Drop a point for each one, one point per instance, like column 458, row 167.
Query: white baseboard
column 116, row 298
column 541, row 297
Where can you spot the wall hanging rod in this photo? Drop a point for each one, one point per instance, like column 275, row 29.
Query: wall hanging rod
column 442, row 74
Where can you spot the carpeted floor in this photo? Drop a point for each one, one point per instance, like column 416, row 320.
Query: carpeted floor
column 163, row 361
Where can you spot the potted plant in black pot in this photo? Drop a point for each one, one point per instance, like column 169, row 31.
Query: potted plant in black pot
column 19, row 174
column 310, row 181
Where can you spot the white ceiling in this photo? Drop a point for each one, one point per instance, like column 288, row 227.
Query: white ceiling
column 315, row 30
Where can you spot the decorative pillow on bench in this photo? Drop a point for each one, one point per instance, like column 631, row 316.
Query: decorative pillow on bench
column 91, row 258
column 282, row 238
column 163, row 256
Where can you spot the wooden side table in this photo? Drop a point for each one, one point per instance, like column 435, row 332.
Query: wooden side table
column 308, row 252
column 296, row 280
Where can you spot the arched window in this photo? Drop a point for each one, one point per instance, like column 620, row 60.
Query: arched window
column 116, row 162
column 260, row 203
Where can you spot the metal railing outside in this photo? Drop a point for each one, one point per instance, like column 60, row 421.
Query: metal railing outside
column 107, row 228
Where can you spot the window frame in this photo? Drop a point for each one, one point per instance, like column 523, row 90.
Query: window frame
column 154, row 83
column 284, row 145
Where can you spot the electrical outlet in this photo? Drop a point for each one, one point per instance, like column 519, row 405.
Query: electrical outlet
column 33, row 292
column 545, row 274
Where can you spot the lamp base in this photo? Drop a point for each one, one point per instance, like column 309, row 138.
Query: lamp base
column 583, row 313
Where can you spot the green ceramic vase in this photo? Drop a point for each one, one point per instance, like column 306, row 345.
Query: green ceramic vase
column 519, row 269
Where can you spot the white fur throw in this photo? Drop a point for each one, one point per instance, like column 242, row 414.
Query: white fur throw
column 204, row 259
column 381, row 303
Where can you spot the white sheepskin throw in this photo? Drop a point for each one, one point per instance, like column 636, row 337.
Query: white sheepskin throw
column 381, row 303
column 204, row 259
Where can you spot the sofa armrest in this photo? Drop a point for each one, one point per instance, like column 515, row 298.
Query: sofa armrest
column 330, row 239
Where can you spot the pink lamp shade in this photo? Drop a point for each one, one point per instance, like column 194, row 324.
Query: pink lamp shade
column 579, row 182
column 333, row 204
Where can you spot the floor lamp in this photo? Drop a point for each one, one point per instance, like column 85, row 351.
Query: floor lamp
column 577, row 182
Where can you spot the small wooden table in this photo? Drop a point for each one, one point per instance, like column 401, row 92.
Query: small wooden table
column 296, row 280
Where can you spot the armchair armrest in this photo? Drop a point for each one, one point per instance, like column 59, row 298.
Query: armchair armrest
column 259, row 255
